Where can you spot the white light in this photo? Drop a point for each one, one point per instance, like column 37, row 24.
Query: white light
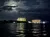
column 13, row 22
column 44, row 22
column 29, row 21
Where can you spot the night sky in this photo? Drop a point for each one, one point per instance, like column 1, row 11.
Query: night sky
column 36, row 9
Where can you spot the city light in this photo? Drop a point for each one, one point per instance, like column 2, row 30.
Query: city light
column 29, row 22
column 43, row 22
column 36, row 21
column 21, row 19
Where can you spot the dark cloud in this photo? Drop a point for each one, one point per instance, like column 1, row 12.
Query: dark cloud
column 26, row 8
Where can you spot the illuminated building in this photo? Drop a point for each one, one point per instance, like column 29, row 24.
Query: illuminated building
column 20, row 29
column 36, row 27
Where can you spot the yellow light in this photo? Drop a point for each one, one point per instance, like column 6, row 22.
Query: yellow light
column 21, row 19
column 36, row 21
